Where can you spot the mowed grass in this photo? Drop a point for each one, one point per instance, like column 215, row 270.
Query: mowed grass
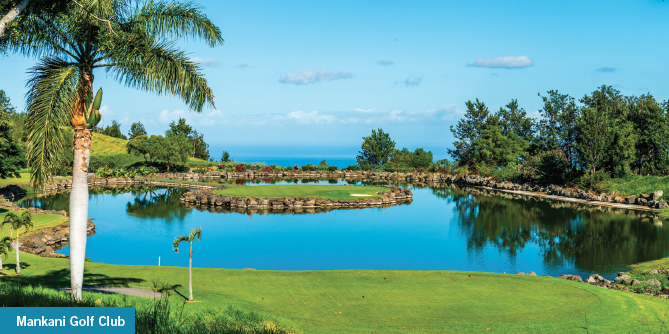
column 393, row 302
column 25, row 178
column 336, row 192
column 637, row 185
column 40, row 222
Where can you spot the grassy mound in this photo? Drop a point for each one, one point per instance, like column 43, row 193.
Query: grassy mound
column 336, row 192
column 394, row 301
column 637, row 185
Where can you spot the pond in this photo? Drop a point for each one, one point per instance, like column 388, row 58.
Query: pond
column 446, row 227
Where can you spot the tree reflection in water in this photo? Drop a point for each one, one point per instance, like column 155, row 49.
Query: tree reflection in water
column 590, row 237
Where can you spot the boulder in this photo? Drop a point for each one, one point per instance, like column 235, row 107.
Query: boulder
column 574, row 278
column 630, row 199
column 635, row 282
column 654, row 282
column 656, row 195
column 653, row 272
column 598, row 280
column 661, row 204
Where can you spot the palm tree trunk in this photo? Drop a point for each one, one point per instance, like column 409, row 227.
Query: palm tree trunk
column 79, row 209
column 79, row 196
column 190, row 273
column 0, row 261
column 18, row 264
column 13, row 13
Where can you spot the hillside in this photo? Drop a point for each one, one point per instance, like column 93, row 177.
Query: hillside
column 105, row 145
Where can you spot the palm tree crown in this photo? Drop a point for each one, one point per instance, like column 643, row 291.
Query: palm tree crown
column 195, row 233
column 133, row 41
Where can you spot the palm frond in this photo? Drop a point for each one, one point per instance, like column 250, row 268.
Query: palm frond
column 196, row 233
column 160, row 68
column 40, row 35
column 177, row 241
column 176, row 20
column 10, row 219
column 51, row 96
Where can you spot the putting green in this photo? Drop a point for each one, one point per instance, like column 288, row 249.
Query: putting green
column 337, row 192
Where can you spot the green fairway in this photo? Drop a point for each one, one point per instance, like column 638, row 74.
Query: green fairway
column 25, row 178
column 336, row 192
column 407, row 301
column 40, row 222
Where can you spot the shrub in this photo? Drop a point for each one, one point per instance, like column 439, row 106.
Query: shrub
column 594, row 181
column 296, row 167
column 333, row 168
column 146, row 171
column 200, row 170
column 266, row 170
column 549, row 167
column 114, row 172
column 240, row 168
column 353, row 168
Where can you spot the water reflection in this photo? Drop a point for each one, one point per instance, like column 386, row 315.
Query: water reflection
column 445, row 227
column 593, row 238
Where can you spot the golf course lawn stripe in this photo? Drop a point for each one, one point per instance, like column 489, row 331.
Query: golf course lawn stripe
column 335, row 192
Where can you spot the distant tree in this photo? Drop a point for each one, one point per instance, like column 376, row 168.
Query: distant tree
column 5, row 248
column 6, row 104
column 467, row 131
column 420, row 158
column 136, row 129
column 172, row 149
column 513, row 119
column 494, row 148
column 651, row 123
column 558, row 127
column 200, row 148
column 140, row 145
column 180, row 128
column 376, row 149
column 323, row 163
column 594, row 138
column 114, row 130
column 12, row 155
column 225, row 157
column 194, row 234
column 621, row 152
column 16, row 222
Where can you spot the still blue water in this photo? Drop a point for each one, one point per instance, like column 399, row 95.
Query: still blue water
column 442, row 229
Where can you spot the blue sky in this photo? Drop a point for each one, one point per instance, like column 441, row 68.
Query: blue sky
column 325, row 73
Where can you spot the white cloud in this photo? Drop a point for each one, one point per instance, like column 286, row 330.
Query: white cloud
column 385, row 62
column 214, row 117
column 245, row 65
column 504, row 62
column 310, row 76
column 108, row 115
column 447, row 113
column 209, row 62
column 409, row 82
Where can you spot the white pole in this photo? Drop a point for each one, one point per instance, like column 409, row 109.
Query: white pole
column 159, row 261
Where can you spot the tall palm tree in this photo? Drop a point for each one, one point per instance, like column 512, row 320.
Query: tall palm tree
column 134, row 41
column 5, row 248
column 194, row 233
column 15, row 224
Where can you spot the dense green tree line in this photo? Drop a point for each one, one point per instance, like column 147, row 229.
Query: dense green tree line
column 608, row 132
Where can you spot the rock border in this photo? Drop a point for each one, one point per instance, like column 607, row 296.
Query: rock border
column 47, row 241
column 392, row 196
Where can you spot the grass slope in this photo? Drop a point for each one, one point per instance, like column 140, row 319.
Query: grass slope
column 408, row 301
column 326, row 191
column 637, row 185
column 106, row 145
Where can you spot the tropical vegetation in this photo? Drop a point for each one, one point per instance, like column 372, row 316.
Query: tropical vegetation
column 16, row 222
column 133, row 41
